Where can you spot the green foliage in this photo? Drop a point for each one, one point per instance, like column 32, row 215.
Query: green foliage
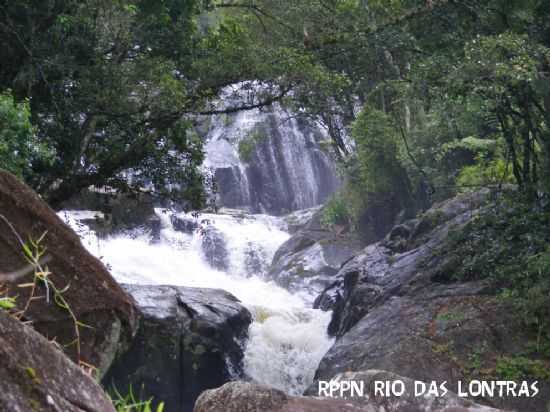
column 378, row 158
column 108, row 85
column 7, row 302
column 247, row 145
column 519, row 367
column 129, row 403
column 19, row 146
column 377, row 150
column 484, row 173
column 508, row 245
column 336, row 212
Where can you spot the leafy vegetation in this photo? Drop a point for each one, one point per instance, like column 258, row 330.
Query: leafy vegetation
column 19, row 147
column 34, row 252
column 519, row 367
column 336, row 212
column 508, row 245
column 419, row 98
column 247, row 145
column 129, row 403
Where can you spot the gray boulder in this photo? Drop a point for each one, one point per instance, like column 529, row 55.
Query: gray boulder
column 248, row 397
column 189, row 340
column 312, row 257
column 36, row 376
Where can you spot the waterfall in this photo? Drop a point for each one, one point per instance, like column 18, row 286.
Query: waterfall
column 269, row 161
column 287, row 338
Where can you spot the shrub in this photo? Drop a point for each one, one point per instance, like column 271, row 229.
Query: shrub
column 336, row 212
column 519, row 367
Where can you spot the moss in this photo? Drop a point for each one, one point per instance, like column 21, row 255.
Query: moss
column 451, row 316
column 520, row 367
column 199, row 350
column 443, row 348
column 248, row 144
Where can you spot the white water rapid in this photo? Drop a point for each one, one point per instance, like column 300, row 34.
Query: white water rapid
column 287, row 338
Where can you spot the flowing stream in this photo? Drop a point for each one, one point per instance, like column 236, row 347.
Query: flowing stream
column 287, row 338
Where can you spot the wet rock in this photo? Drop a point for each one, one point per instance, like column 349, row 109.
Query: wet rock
column 312, row 257
column 390, row 312
column 214, row 247
column 36, row 376
column 299, row 219
column 132, row 214
column 184, row 223
column 94, row 297
column 248, row 397
column 189, row 340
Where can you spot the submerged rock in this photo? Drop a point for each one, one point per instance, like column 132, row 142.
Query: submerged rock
column 214, row 247
column 189, row 340
column 184, row 223
column 36, row 376
column 94, row 298
column 391, row 311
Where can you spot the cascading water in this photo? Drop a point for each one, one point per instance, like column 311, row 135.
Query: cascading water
column 268, row 161
column 287, row 338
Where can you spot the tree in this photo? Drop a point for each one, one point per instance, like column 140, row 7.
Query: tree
column 19, row 147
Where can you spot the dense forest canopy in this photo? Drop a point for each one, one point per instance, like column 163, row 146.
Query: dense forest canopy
column 419, row 98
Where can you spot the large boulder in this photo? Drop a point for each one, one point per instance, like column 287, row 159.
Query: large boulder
column 94, row 298
column 36, row 376
column 311, row 258
column 392, row 312
column 189, row 340
column 248, row 397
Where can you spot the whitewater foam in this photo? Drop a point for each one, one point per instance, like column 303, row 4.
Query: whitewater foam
column 287, row 338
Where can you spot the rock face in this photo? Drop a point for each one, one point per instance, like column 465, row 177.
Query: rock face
column 36, row 376
column 189, row 340
column 312, row 257
column 94, row 297
column 247, row 397
column 391, row 311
